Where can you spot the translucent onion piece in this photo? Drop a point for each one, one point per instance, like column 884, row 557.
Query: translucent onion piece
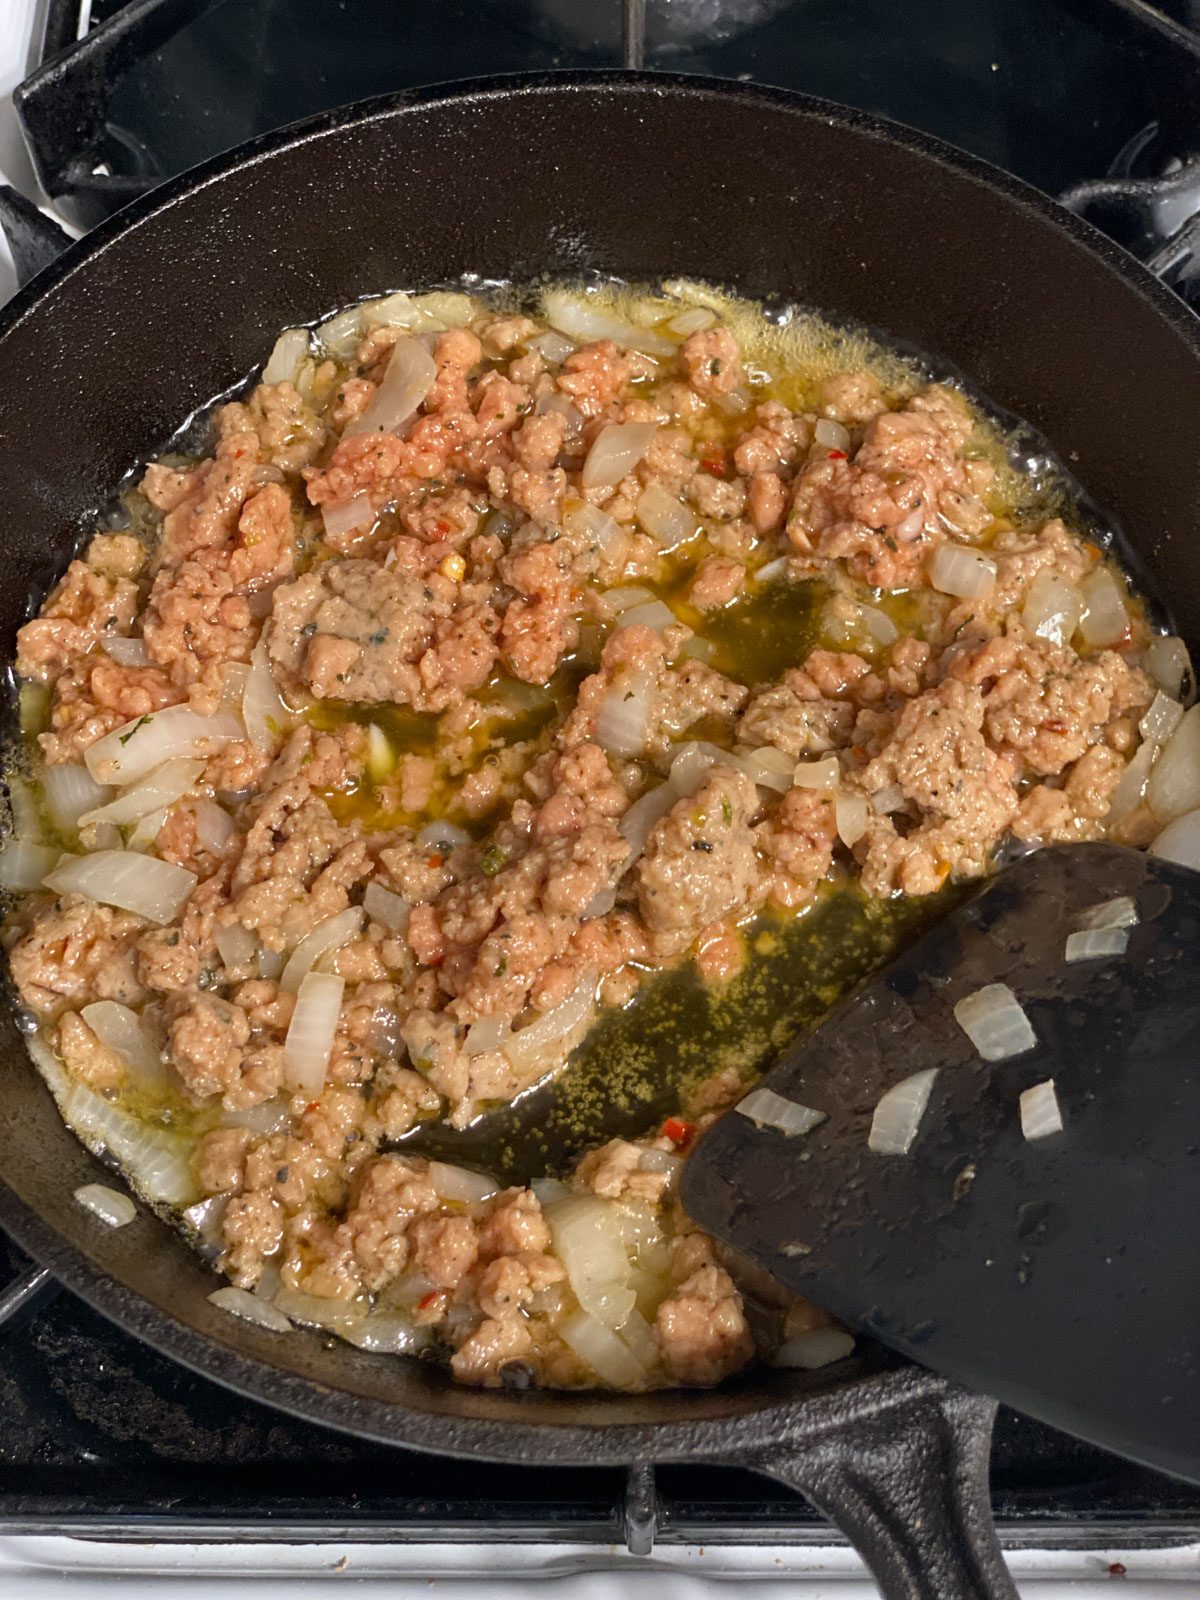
column 817, row 774
column 461, row 1184
column 447, row 306
column 386, row 1333
column 489, row 1033
column 162, row 788
column 27, row 824
column 143, row 837
column 693, row 320
column 1094, row 943
column 309, row 1042
column 665, row 518
column 772, row 571
column 898, row 1115
column 24, row 865
column 1040, row 1111
column 270, row 1116
column 270, row 963
column 1131, row 788
column 617, row 450
column 626, row 598
column 549, row 1190
column 599, row 530
column 1052, row 607
column 397, row 310
column 958, row 570
column 639, row 822
column 338, row 1316
column 878, row 624
column 380, row 758
column 599, row 1348
column 659, row 1161
column 263, row 711
column 326, row 937
column 156, row 1162
column 283, row 364
column 692, row 761
column 110, row 1205
column 766, row 1109
column 553, row 348
column 852, row 815
column 1168, row 663
column 408, row 378
column 1174, row 784
column 695, row 649
column 1161, row 719
column 578, row 316
column 888, row 799
column 994, row 1021
column 69, row 790
column 587, row 1240
column 153, row 889
column 126, row 652
column 442, row 837
column 552, row 1026
column 1120, row 912
column 768, row 767
column 205, row 1219
column 342, row 333
column 640, row 1338
column 235, row 945
column 130, row 752
column 831, row 434
column 623, row 720
column 347, row 517
column 820, row 1347
column 1180, row 841
column 241, row 1303
column 1105, row 617
column 120, row 1030
column 388, row 909
column 654, row 614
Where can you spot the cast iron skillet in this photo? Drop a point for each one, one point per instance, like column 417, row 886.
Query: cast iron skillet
column 176, row 298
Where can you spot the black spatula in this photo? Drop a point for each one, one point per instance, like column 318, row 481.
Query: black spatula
column 1060, row 1274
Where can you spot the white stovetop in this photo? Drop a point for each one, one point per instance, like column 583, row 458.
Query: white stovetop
column 73, row 1569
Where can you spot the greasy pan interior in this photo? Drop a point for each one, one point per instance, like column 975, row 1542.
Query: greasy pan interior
column 769, row 193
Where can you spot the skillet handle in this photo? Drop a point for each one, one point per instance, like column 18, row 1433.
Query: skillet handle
column 907, row 1483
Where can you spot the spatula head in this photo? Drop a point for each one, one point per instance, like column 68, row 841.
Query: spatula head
column 1061, row 1275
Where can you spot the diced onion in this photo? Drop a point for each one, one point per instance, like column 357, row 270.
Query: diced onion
column 766, row 1109
column 386, row 1333
column 1052, row 607
column 153, row 889
column 694, row 320
column 816, row 774
column 623, row 719
column 598, row 1347
column 588, row 1242
column 460, row 1183
column 878, row 624
column 643, row 816
column 110, row 1205
column 318, row 1311
column 348, row 516
column 767, row 766
column 1132, row 785
column 309, row 1042
column 1120, row 912
column 269, row 1116
column 1161, row 719
column 283, row 364
column 270, row 963
column 126, row 652
column 136, row 748
column 820, row 1347
column 408, row 378
column 155, row 1161
column 640, row 1338
column 578, row 316
column 852, row 816
column 1180, row 841
column 205, row 1219
column 442, row 837
column 594, row 526
column 143, row 837
column 888, row 799
column 627, row 598
column 659, row 1161
column 958, row 570
column 552, row 1026
column 448, row 307
column 553, row 348
column 1040, row 1111
column 341, row 333
column 162, row 788
column 665, row 518
column 263, row 711
column 235, row 945
column 1105, row 617
column 654, row 614
column 1168, row 663
column 692, row 761
column 214, row 826
column 120, row 1030
column 241, row 1303
column 69, row 791
column 326, row 937
column 397, row 310
column 380, row 757
column 389, row 910
column 1174, row 784
column 1093, row 943
column 617, row 450
column 549, row 1190
column 898, row 1115
column 489, row 1033
column 995, row 1022
column 27, row 824
column 831, row 434
column 771, row 571
column 24, row 865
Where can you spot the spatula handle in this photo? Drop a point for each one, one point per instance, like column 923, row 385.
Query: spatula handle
column 907, row 1483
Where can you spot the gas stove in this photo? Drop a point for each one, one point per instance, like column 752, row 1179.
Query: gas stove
column 116, row 1463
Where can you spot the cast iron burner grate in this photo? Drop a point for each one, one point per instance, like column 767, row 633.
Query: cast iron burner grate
column 102, row 1436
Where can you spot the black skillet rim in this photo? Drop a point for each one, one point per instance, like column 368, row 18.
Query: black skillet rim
column 743, row 1427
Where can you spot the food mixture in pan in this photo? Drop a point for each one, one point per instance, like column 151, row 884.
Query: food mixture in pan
column 602, row 676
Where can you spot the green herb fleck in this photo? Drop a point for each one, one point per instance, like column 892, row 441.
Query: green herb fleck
column 493, row 859
column 140, row 723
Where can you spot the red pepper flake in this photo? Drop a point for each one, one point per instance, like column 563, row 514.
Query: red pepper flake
column 838, row 455
column 1116, row 1569
column 1054, row 725
column 428, row 1301
column 679, row 1131
column 713, row 463
column 433, row 861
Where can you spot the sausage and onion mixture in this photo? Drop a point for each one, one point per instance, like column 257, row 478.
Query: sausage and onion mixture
column 479, row 667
